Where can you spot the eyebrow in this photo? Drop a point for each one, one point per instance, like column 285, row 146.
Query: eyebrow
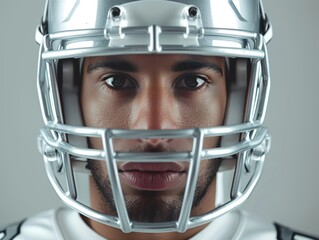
column 193, row 65
column 127, row 66
column 115, row 64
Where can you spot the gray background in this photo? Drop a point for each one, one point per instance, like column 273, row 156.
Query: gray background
column 288, row 191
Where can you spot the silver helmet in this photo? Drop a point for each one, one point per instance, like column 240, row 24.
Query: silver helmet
column 72, row 30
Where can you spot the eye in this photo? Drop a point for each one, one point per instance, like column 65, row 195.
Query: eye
column 192, row 82
column 119, row 81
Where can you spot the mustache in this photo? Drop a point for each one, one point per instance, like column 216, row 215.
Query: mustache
column 151, row 148
column 137, row 145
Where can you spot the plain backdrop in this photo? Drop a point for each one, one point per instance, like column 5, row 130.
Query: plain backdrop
column 288, row 191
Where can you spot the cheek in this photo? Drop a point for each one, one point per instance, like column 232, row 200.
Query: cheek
column 101, row 110
column 207, row 111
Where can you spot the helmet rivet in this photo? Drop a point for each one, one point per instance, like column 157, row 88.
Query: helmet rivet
column 192, row 12
column 115, row 12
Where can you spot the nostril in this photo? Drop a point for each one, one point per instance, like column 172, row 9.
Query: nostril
column 156, row 141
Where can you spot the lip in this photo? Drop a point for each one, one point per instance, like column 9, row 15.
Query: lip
column 152, row 167
column 152, row 176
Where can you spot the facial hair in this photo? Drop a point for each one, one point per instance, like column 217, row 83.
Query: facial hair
column 151, row 206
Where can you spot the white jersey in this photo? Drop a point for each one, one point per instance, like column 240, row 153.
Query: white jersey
column 67, row 224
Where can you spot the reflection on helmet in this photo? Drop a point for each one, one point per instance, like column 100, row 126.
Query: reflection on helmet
column 71, row 31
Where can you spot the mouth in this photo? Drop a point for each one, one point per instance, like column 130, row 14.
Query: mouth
column 152, row 176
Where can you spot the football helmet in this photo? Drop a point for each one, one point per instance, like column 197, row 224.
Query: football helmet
column 238, row 30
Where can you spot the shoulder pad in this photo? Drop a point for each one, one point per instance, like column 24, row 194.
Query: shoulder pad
column 10, row 231
column 286, row 233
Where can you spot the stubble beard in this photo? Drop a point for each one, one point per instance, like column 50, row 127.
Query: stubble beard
column 151, row 206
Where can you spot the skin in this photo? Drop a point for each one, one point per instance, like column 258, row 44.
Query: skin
column 153, row 92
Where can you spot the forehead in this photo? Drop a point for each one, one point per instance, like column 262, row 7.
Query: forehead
column 160, row 61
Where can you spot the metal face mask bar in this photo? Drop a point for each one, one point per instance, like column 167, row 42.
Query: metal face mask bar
column 183, row 32
column 59, row 153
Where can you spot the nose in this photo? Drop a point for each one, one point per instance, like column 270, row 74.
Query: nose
column 155, row 108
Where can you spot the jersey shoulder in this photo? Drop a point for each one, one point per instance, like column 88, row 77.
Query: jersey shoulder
column 37, row 227
column 10, row 231
column 252, row 227
column 237, row 225
column 287, row 233
column 61, row 223
column 257, row 228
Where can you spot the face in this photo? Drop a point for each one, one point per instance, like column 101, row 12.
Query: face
column 153, row 92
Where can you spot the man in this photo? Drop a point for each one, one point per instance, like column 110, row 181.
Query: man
column 155, row 100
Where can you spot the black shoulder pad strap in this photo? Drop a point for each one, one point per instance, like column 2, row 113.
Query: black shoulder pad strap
column 10, row 231
column 285, row 233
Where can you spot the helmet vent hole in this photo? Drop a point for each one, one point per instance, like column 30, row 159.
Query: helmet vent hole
column 193, row 12
column 116, row 12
